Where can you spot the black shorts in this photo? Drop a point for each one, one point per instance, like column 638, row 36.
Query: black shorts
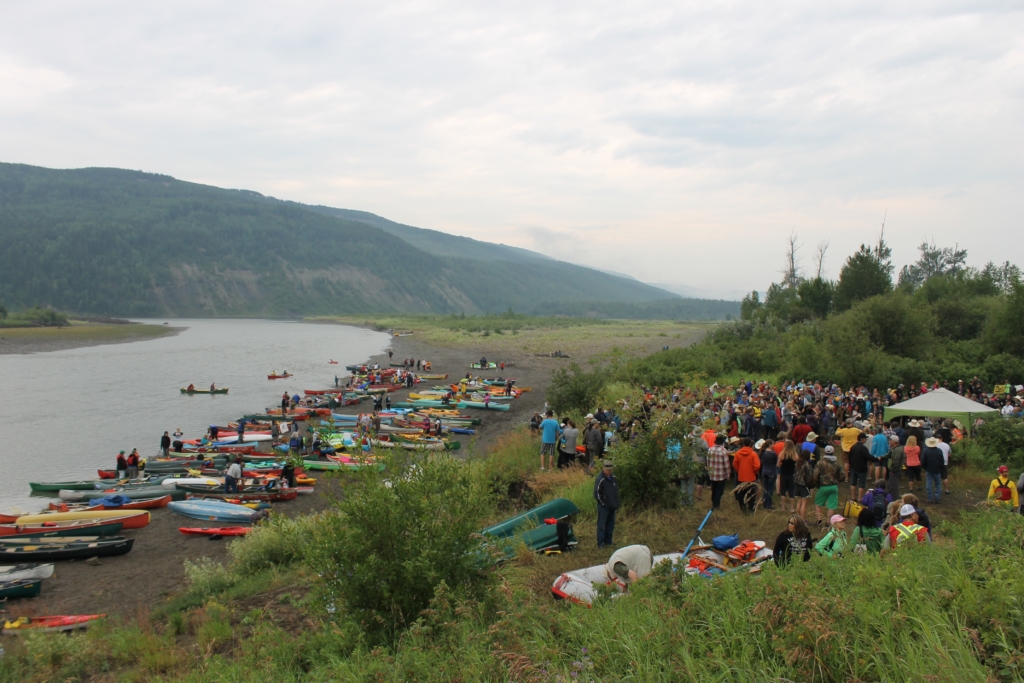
column 859, row 479
column 945, row 472
column 704, row 479
column 801, row 491
column 913, row 473
column 786, row 486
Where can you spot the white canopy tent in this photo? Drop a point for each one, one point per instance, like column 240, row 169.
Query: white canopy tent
column 940, row 403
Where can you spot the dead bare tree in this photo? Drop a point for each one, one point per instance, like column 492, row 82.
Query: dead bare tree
column 819, row 258
column 791, row 275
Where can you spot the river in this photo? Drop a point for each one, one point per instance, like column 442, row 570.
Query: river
column 70, row 412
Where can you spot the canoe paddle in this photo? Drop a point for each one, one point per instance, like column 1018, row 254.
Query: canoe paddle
column 697, row 535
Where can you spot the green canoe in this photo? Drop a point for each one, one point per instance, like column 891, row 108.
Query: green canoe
column 20, row 589
column 559, row 508
column 542, row 538
column 55, row 486
column 330, row 466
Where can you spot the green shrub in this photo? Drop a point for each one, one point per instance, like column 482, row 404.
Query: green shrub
column 1002, row 441
column 575, row 389
column 399, row 534
column 206, row 576
column 278, row 542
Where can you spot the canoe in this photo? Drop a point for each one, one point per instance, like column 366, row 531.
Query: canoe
column 433, row 376
column 331, row 466
column 20, row 588
column 175, row 483
column 480, row 405
column 477, row 366
column 216, row 531
column 218, row 492
column 134, row 494
column 287, row 374
column 51, row 549
column 26, row 572
column 204, row 391
column 72, row 527
column 559, row 508
column 145, row 504
column 135, row 520
column 49, row 624
column 66, row 485
column 213, row 511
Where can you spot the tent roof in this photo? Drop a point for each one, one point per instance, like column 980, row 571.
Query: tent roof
column 938, row 403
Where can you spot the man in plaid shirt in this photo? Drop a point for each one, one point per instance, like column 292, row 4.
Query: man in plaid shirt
column 718, row 469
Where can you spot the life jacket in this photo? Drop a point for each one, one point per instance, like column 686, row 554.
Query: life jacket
column 744, row 552
column 1003, row 491
column 905, row 532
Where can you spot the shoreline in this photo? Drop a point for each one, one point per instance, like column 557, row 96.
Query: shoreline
column 28, row 340
column 155, row 568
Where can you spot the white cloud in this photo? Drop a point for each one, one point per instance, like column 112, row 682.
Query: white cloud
column 678, row 142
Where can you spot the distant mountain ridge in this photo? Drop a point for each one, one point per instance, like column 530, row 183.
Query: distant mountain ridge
column 117, row 242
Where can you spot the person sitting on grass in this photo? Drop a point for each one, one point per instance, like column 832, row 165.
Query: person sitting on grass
column 907, row 531
column 835, row 540
column 795, row 540
column 866, row 536
column 1002, row 491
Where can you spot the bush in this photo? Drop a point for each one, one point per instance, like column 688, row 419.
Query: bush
column 278, row 542
column 576, row 389
column 1002, row 441
column 397, row 536
column 646, row 472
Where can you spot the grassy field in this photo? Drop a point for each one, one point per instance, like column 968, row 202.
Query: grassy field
column 506, row 338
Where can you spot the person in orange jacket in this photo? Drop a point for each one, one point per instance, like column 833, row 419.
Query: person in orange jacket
column 747, row 466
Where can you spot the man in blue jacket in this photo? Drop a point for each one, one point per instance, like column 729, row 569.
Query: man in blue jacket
column 606, row 493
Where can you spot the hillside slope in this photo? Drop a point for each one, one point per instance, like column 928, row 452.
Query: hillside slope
column 111, row 241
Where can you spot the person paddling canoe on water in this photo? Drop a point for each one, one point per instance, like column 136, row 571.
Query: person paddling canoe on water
column 191, row 387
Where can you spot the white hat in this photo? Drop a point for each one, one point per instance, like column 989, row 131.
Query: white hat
column 760, row 442
column 932, row 442
column 907, row 510
column 589, row 416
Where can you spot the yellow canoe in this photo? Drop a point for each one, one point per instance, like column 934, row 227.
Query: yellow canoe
column 85, row 514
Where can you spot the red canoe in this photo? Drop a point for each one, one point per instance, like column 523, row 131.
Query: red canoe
column 58, row 623
column 148, row 504
column 278, row 376
column 216, row 531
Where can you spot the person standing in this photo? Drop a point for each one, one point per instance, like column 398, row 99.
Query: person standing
column 718, row 470
column 897, row 462
column 848, row 436
column 606, row 493
column 548, row 439
column 567, row 453
column 133, row 464
column 747, row 465
column 787, row 470
column 122, row 466
column 912, row 451
column 232, row 475
column 860, row 459
column 827, row 476
column 593, row 439
column 932, row 462
column 1002, row 491
column 947, row 450
column 165, row 444
column 879, row 454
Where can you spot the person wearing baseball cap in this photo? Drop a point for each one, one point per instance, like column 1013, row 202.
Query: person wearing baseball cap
column 908, row 530
column 1002, row 491
column 835, row 540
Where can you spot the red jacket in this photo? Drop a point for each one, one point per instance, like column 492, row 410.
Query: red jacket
column 747, row 464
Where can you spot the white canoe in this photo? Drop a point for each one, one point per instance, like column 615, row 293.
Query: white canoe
column 26, row 572
column 579, row 585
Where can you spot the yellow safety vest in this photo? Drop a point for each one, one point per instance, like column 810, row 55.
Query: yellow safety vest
column 907, row 532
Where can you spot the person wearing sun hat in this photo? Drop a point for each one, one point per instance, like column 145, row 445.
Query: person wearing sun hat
column 1002, row 491
column 835, row 540
column 932, row 462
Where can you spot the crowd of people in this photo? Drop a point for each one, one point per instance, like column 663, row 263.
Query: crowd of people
column 787, row 445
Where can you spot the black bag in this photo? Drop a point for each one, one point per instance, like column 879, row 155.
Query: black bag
column 563, row 529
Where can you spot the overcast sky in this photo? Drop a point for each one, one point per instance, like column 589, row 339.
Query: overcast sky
column 676, row 142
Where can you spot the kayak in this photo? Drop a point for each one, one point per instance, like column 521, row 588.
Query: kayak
column 45, row 624
column 36, row 549
column 174, row 483
column 433, row 376
column 216, row 531
column 73, row 527
column 213, row 510
column 26, row 572
column 135, row 520
column 20, row 588
column 218, row 492
column 204, row 391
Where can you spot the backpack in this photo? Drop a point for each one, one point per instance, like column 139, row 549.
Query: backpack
column 1003, row 491
column 879, row 506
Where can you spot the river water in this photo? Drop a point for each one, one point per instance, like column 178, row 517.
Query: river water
column 68, row 413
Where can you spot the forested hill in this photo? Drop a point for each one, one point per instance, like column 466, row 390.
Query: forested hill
column 110, row 241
